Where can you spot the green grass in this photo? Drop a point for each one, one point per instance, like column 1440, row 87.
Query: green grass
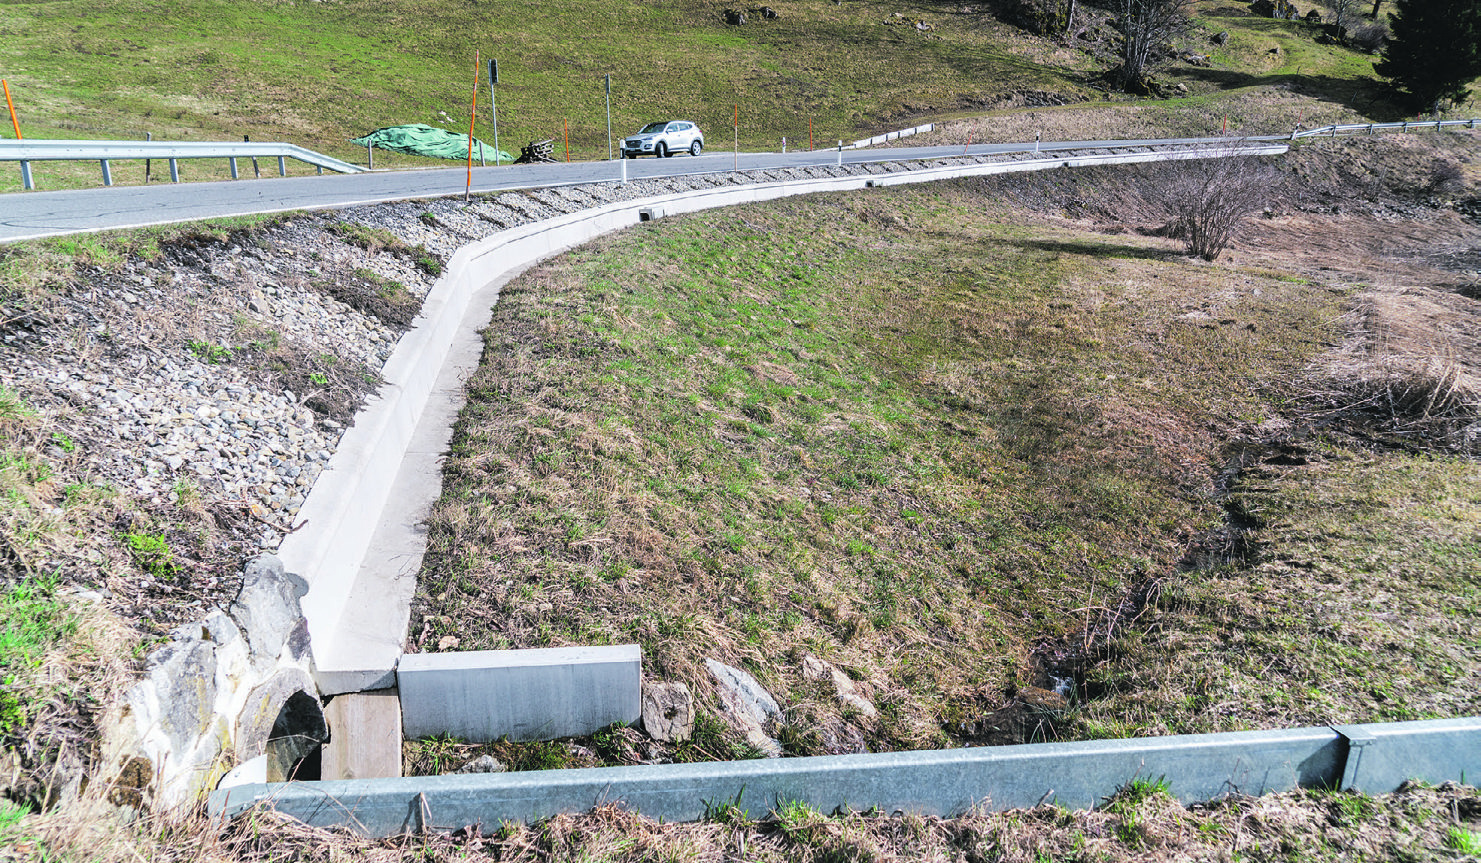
column 1358, row 606
column 319, row 74
column 894, row 430
column 32, row 622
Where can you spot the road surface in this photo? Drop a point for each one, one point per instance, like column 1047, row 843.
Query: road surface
column 27, row 215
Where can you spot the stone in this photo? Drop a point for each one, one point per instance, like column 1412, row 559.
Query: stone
column 267, row 609
column 668, row 712
column 482, row 764
column 1220, row 38
column 746, row 706
column 847, row 691
column 735, row 17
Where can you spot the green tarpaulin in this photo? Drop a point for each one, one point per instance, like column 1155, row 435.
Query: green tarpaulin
column 419, row 139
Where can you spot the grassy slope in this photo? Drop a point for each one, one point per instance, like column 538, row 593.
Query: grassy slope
column 318, row 73
column 897, row 430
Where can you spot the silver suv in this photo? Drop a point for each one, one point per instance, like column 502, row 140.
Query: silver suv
column 664, row 139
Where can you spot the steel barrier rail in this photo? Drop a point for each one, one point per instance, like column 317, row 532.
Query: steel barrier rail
column 28, row 151
column 1374, row 758
column 1370, row 128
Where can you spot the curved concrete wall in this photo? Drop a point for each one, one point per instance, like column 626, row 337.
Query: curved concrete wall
column 361, row 539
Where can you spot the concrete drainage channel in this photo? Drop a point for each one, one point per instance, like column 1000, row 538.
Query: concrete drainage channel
column 363, row 544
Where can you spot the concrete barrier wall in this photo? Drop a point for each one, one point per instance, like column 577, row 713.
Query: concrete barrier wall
column 361, row 543
column 484, row 695
column 942, row 782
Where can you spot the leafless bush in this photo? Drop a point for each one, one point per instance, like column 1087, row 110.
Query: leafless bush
column 1205, row 201
column 1345, row 13
column 1371, row 36
column 1445, row 176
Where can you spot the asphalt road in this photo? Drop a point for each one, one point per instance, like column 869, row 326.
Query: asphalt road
column 27, row 215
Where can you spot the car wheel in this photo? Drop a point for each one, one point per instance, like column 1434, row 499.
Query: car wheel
column 696, row 148
column 660, row 150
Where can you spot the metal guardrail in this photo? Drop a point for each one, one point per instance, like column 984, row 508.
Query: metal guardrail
column 889, row 136
column 1375, row 758
column 104, row 152
column 1370, row 128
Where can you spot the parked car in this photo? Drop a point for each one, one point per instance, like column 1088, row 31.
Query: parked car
column 664, row 139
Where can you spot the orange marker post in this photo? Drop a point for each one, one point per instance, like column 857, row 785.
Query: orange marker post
column 472, row 115
column 11, row 105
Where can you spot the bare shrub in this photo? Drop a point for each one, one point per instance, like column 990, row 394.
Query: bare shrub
column 1205, row 201
column 1345, row 13
column 1445, row 176
column 1371, row 36
column 1147, row 25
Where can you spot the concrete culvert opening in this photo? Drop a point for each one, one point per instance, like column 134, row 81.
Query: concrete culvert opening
column 294, row 744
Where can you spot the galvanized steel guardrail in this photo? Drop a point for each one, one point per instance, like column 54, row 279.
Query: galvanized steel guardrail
column 889, row 136
column 1373, row 758
column 104, row 152
column 1370, row 128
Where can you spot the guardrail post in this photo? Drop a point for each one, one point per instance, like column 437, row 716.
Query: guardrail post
column 107, row 173
column 1294, row 131
column 26, row 176
column 1357, row 740
column 282, row 167
column 1406, row 125
column 1370, row 128
column 1334, row 130
column 233, row 160
column 174, row 170
column 320, row 169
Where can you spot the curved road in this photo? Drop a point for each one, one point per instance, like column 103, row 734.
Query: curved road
column 27, row 215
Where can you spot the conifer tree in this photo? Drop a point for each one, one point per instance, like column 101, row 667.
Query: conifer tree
column 1434, row 52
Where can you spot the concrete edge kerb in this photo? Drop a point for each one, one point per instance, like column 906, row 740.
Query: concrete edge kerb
column 938, row 782
column 341, row 514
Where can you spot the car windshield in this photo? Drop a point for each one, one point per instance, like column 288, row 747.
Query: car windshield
column 652, row 127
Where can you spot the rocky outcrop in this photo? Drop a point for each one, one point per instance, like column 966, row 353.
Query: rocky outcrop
column 227, row 689
column 747, row 707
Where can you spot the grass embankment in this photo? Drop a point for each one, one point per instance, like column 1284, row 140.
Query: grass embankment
column 895, row 430
column 318, row 73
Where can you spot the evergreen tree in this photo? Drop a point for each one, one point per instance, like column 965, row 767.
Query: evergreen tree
column 1434, row 52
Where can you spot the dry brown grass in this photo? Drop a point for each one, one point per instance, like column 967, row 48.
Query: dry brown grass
column 1138, row 826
